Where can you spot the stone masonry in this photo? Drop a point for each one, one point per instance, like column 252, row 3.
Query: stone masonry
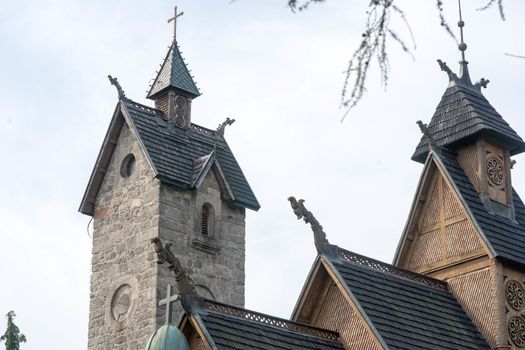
column 126, row 282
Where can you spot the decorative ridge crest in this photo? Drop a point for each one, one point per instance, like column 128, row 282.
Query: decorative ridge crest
column 302, row 213
column 208, row 305
column 383, row 267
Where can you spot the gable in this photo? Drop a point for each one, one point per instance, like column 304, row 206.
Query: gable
column 323, row 304
column 439, row 231
column 407, row 310
column 171, row 153
column 112, row 141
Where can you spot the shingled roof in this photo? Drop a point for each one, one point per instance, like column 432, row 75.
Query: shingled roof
column 232, row 328
column 408, row 310
column 464, row 113
column 505, row 237
column 176, row 154
column 174, row 73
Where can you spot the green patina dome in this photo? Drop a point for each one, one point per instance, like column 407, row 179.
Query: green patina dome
column 167, row 337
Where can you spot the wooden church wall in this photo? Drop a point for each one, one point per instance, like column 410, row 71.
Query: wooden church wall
column 477, row 291
column 337, row 314
column 444, row 234
column 513, row 298
column 195, row 342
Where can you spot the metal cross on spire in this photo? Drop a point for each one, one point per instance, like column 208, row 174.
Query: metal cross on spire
column 174, row 19
column 462, row 46
column 168, row 301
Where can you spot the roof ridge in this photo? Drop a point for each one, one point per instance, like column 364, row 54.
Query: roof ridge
column 144, row 107
column 380, row 266
column 203, row 129
column 278, row 322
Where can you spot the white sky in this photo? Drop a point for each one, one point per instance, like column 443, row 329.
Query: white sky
column 279, row 75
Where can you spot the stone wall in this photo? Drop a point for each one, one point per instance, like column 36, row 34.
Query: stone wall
column 126, row 283
column 124, row 272
column 215, row 261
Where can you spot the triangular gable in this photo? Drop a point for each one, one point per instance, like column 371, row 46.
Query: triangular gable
column 402, row 309
column 202, row 167
column 325, row 302
column 195, row 332
column 440, row 229
column 171, row 153
column 120, row 117
column 174, row 150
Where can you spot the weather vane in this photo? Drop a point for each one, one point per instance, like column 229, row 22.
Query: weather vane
column 174, row 19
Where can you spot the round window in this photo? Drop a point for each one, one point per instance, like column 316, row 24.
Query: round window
column 128, row 165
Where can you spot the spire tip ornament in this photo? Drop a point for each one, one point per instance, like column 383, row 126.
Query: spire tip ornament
column 174, row 20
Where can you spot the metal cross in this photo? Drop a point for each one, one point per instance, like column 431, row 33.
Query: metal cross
column 168, row 302
column 174, row 19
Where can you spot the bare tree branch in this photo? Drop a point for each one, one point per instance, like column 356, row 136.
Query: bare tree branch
column 492, row 2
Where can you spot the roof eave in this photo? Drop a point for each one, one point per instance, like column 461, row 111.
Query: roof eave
column 87, row 205
column 406, row 229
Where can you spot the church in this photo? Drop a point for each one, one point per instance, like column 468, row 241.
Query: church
column 168, row 201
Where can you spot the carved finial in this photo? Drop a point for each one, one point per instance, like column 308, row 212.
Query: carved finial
column 445, row 68
column 482, row 83
column 222, row 126
column 512, row 163
column 114, row 82
column 185, row 284
column 302, row 213
column 424, row 130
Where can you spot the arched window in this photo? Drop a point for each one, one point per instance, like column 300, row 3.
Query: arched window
column 205, row 220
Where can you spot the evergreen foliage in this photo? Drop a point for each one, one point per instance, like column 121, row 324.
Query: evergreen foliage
column 12, row 336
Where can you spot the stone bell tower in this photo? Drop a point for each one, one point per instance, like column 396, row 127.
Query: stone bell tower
column 158, row 175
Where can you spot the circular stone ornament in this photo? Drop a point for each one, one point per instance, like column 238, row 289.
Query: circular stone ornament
column 515, row 294
column 121, row 302
column 495, row 170
column 517, row 331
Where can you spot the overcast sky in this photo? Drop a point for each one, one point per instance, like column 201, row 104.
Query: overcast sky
column 279, row 75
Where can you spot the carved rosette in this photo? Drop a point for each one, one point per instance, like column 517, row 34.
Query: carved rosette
column 495, row 171
column 515, row 294
column 517, row 331
column 181, row 109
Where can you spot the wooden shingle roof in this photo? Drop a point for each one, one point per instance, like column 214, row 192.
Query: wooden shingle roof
column 174, row 153
column 409, row 310
column 233, row 328
column 462, row 114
